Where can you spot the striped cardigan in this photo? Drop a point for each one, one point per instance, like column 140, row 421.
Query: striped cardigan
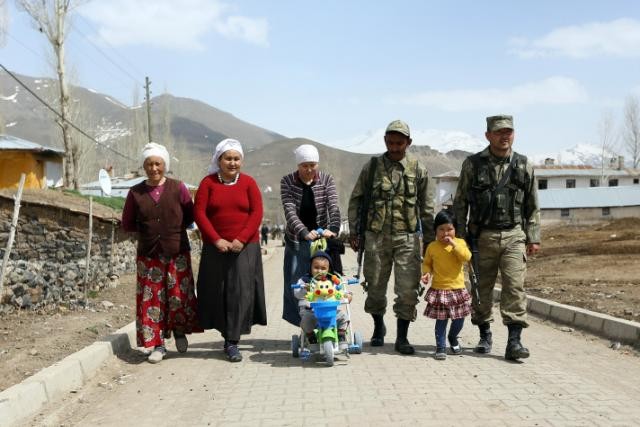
column 325, row 196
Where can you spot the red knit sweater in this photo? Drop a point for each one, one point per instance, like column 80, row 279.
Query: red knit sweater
column 228, row 211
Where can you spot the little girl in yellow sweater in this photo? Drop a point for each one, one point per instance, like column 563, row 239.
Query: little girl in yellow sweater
column 447, row 298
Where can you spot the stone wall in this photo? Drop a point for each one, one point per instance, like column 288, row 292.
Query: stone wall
column 48, row 258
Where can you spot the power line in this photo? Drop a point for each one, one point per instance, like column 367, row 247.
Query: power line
column 124, row 58
column 104, row 54
column 60, row 115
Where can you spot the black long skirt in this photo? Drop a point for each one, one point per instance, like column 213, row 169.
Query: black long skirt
column 230, row 291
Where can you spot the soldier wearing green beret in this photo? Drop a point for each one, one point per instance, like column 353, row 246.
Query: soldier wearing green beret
column 399, row 197
column 498, row 195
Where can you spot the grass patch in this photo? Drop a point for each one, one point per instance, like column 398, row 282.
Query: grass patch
column 116, row 203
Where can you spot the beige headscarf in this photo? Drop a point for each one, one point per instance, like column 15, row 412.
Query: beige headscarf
column 153, row 149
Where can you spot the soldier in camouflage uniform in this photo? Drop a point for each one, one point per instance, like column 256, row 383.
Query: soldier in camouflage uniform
column 400, row 193
column 504, row 221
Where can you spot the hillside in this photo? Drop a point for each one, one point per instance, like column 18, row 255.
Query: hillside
column 269, row 163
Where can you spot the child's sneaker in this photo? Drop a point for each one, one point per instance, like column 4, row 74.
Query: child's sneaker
column 454, row 345
column 157, row 354
column 305, row 354
column 441, row 353
column 342, row 342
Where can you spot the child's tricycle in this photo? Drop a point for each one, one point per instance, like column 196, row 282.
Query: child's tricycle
column 325, row 294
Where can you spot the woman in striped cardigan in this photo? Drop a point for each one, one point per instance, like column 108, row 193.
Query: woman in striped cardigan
column 310, row 201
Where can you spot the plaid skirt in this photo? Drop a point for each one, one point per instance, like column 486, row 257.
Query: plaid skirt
column 447, row 304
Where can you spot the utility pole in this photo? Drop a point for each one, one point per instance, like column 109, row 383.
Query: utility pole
column 147, row 83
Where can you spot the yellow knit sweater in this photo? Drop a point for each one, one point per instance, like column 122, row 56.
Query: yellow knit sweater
column 445, row 264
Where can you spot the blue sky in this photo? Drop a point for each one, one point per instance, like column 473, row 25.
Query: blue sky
column 335, row 70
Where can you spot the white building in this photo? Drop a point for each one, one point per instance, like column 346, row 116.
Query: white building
column 589, row 204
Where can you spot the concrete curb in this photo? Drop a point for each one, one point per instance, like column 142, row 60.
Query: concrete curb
column 605, row 326
column 25, row 399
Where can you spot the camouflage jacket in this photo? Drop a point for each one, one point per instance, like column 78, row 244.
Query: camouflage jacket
column 521, row 204
column 401, row 190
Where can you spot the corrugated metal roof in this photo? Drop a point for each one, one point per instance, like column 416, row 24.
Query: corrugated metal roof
column 8, row 142
column 122, row 183
column 595, row 172
column 592, row 197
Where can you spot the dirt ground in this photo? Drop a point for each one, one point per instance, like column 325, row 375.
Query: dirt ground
column 31, row 341
column 590, row 266
column 594, row 267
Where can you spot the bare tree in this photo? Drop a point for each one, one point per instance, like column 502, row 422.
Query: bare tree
column 4, row 22
column 50, row 17
column 631, row 130
column 607, row 141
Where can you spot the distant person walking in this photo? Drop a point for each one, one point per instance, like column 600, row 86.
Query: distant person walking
column 400, row 203
column 264, row 231
column 498, row 194
column 310, row 201
column 160, row 209
column 228, row 211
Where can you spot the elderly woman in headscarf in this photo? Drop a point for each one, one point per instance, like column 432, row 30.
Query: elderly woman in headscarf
column 160, row 209
column 228, row 211
column 310, row 201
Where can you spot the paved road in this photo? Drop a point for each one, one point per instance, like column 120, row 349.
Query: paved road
column 570, row 380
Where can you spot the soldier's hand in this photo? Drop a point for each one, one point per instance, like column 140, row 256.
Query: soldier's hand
column 353, row 242
column 532, row 248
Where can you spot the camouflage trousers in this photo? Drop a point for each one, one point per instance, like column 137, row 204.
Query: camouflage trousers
column 504, row 251
column 384, row 251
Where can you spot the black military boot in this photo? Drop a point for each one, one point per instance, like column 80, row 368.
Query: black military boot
column 486, row 340
column 515, row 350
column 379, row 331
column 402, row 343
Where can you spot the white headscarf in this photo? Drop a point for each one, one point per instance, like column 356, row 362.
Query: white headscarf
column 306, row 153
column 153, row 149
column 222, row 147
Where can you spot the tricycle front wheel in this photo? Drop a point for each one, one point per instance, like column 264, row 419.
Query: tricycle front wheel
column 327, row 346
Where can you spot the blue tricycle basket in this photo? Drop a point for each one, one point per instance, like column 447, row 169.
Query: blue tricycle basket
column 325, row 312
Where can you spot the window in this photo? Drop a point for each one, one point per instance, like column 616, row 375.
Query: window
column 636, row 180
column 613, row 182
column 605, row 212
column 571, row 183
column 594, row 182
column 564, row 212
column 542, row 184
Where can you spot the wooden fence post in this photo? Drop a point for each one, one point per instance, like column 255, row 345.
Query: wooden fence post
column 86, row 272
column 12, row 232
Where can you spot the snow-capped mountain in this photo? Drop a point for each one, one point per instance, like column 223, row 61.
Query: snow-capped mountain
column 580, row 154
column 441, row 140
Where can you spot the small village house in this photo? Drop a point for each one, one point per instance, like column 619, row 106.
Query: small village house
column 42, row 165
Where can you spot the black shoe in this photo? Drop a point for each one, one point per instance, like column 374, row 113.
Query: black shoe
column 402, row 345
column 379, row 331
column 515, row 350
column 486, row 339
column 233, row 353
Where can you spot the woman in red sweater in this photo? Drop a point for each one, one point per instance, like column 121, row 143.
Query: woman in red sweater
column 228, row 211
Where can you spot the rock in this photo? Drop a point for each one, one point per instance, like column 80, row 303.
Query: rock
column 615, row 345
column 33, row 352
column 628, row 311
column 107, row 304
column 566, row 329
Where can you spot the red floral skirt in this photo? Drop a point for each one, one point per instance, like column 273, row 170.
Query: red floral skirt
column 447, row 304
column 165, row 299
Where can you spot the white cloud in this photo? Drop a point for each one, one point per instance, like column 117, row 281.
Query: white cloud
column 620, row 37
column 554, row 90
column 171, row 24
